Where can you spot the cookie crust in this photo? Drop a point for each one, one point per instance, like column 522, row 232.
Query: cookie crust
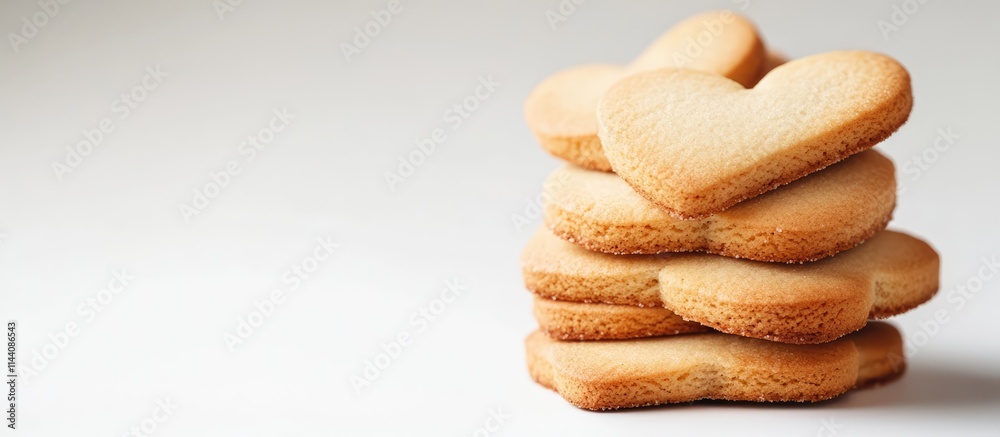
column 696, row 144
column 812, row 218
column 800, row 304
column 608, row 375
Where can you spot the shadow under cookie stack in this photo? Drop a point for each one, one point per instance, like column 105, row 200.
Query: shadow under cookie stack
column 718, row 231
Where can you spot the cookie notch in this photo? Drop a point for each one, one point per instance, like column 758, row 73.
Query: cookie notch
column 561, row 111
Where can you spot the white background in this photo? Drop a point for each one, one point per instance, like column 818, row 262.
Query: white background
column 324, row 176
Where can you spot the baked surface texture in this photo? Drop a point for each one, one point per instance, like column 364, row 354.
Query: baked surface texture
column 562, row 110
column 613, row 374
column 696, row 143
column 566, row 320
column 812, row 218
column 803, row 304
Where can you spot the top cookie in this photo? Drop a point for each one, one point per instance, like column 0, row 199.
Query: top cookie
column 697, row 143
column 562, row 110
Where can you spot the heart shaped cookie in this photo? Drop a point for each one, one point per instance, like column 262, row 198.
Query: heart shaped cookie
column 562, row 110
column 567, row 320
column 697, row 143
column 811, row 218
column 607, row 375
column 809, row 303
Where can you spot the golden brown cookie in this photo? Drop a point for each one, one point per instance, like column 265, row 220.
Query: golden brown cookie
column 809, row 303
column 697, row 143
column 612, row 374
column 814, row 217
column 561, row 110
column 565, row 320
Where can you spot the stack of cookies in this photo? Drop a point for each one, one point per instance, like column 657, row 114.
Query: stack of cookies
column 718, row 231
